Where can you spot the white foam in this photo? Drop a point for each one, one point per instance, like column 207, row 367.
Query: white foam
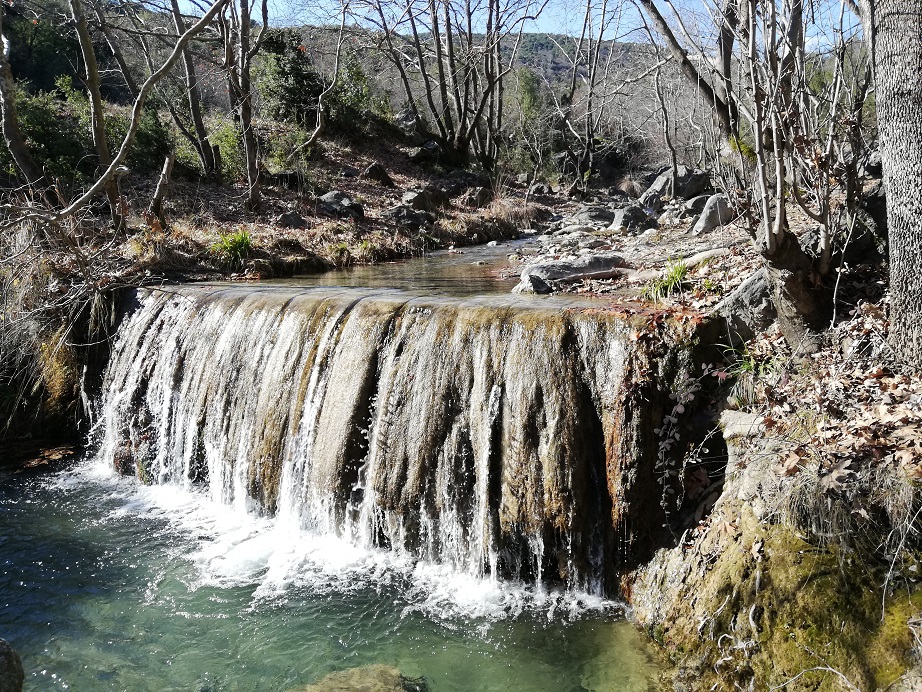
column 230, row 548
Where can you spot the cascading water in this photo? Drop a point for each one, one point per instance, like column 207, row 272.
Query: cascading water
column 491, row 436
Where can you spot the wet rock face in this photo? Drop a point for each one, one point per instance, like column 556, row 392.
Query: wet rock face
column 487, row 435
column 11, row 672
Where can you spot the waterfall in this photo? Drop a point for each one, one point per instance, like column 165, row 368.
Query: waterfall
column 498, row 436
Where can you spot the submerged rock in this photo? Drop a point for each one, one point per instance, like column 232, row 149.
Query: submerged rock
column 11, row 672
column 373, row 678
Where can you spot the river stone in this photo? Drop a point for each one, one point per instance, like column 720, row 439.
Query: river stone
column 597, row 266
column 694, row 206
column 477, row 197
column 408, row 217
column 12, row 675
column 717, row 212
column 408, row 123
column 373, row 678
column 429, row 152
column 338, row 203
column 533, row 284
column 749, row 310
column 689, row 183
column 291, row 219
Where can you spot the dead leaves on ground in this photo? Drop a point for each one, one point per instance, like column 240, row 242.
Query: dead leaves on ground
column 868, row 414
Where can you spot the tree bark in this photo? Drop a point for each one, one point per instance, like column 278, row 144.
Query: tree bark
column 721, row 111
column 97, row 115
column 893, row 29
column 12, row 133
column 202, row 145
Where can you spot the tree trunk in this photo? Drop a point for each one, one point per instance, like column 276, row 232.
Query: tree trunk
column 894, row 28
column 202, row 145
column 245, row 107
column 12, row 133
column 97, row 116
column 803, row 305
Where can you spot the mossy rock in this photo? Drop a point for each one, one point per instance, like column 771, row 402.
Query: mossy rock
column 749, row 600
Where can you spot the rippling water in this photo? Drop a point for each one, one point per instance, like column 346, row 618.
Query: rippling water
column 106, row 584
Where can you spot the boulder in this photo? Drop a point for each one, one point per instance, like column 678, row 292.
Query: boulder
column 632, row 217
column 749, row 310
column 872, row 167
column 349, row 172
column 595, row 216
column 477, row 197
column 596, row 266
column 12, row 675
column 694, row 206
column 651, row 200
column 429, row 152
column 717, row 212
column 373, row 678
column 378, row 173
column 539, row 189
column 409, row 124
column 407, row 217
column 689, row 183
column 291, row 219
column 340, row 204
column 429, row 199
column 533, row 284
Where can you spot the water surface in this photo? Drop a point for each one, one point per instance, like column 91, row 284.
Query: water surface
column 106, row 584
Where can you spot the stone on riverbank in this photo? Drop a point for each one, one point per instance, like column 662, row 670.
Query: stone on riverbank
column 599, row 266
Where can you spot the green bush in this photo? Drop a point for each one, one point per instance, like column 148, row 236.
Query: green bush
column 287, row 85
column 229, row 140
column 233, row 248
column 55, row 137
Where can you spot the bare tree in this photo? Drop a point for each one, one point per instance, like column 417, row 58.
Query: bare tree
column 797, row 135
column 459, row 54
column 93, row 83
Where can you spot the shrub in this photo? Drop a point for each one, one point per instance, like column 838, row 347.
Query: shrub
column 287, row 84
column 55, row 136
column 229, row 141
column 672, row 281
column 233, row 248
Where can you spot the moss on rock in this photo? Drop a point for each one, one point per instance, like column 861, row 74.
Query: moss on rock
column 747, row 600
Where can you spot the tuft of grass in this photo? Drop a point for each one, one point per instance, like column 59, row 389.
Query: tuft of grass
column 670, row 283
column 233, row 248
column 341, row 254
